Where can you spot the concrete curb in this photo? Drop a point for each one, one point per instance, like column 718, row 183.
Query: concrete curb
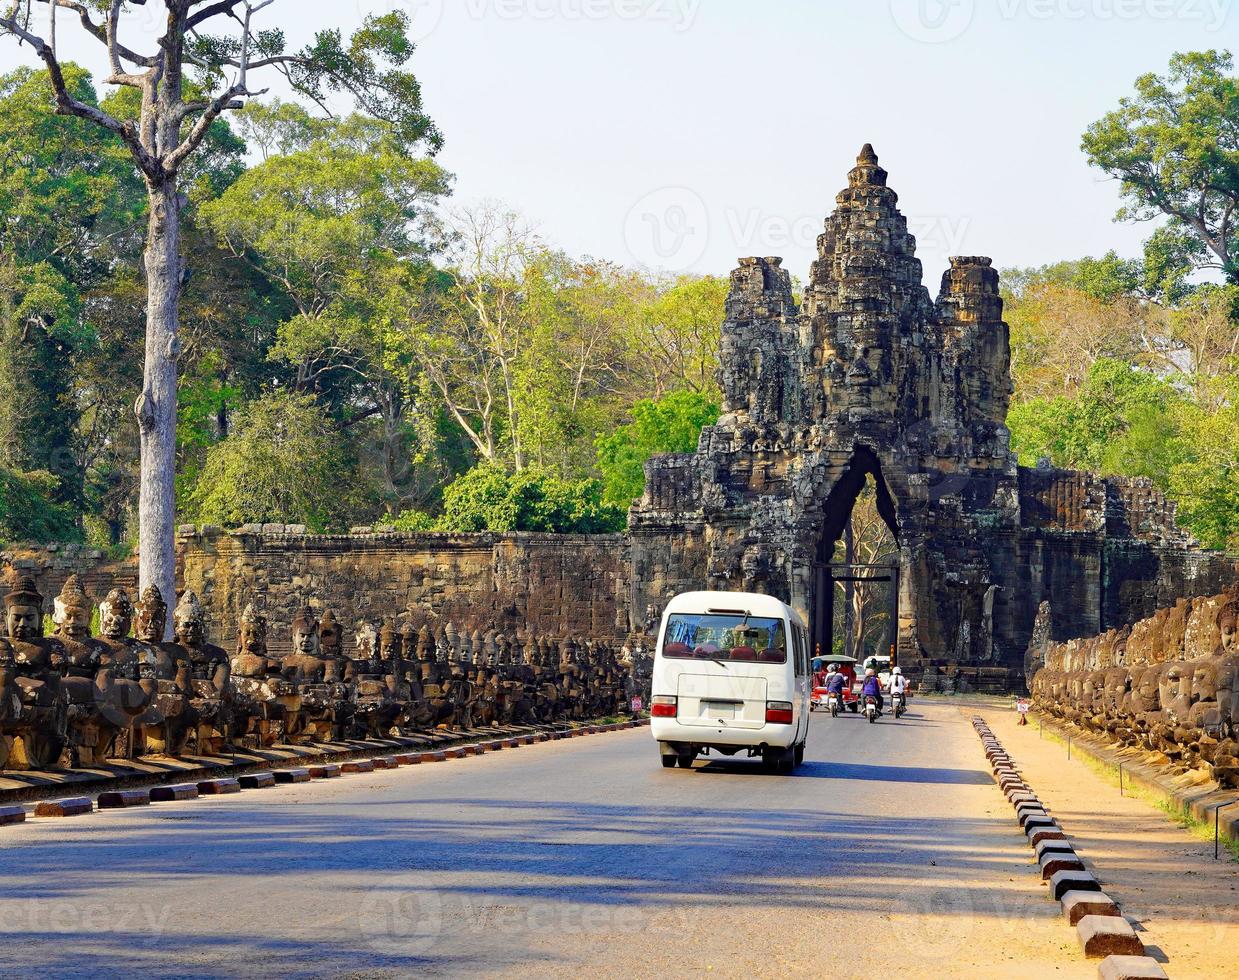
column 1100, row 927
column 265, row 775
column 20, row 788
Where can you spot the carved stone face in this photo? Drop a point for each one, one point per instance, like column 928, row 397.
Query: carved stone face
column 1116, row 687
column 24, row 622
column 73, row 622
column 115, row 619
column 1227, row 682
column 1204, row 681
column 190, row 630
column 306, row 640
column 150, row 622
column 1150, row 689
column 253, row 638
column 389, row 644
column 331, row 639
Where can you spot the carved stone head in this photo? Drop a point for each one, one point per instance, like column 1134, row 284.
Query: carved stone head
column 151, row 616
column 389, row 640
column 116, row 615
column 71, row 612
column 252, row 633
column 23, row 611
column 306, row 638
column 189, row 621
column 330, row 636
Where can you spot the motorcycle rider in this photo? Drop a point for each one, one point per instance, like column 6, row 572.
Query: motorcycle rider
column 835, row 683
column 872, row 687
column 898, row 684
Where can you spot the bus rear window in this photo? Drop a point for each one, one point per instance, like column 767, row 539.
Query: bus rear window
column 712, row 636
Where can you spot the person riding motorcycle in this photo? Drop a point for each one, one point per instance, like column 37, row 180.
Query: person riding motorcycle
column 898, row 684
column 836, row 682
column 872, row 688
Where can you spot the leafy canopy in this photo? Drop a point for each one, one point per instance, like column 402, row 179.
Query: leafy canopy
column 670, row 425
column 1174, row 145
column 488, row 498
column 282, row 463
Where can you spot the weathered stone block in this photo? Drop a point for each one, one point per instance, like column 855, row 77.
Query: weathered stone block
column 72, row 806
column 1076, row 905
column 1072, row 881
column 1052, row 862
column 122, row 798
column 172, row 794
column 327, row 770
column 1108, row 935
column 1130, row 968
column 257, row 780
column 1037, row 834
column 357, row 765
column 291, row 775
column 12, row 814
column 218, row 787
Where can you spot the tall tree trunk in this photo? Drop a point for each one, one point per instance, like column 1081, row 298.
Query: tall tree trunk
column 156, row 407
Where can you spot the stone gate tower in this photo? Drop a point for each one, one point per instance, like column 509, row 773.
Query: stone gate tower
column 873, row 377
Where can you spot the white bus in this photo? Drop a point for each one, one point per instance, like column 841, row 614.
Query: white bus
column 731, row 674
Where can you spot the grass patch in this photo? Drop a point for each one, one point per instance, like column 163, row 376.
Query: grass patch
column 1182, row 814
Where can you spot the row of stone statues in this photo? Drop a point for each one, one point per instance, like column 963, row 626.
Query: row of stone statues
column 71, row 698
column 1168, row 684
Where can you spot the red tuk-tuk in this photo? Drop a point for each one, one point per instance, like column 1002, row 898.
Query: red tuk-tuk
column 847, row 667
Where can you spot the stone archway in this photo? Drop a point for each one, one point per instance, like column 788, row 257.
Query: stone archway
column 837, row 512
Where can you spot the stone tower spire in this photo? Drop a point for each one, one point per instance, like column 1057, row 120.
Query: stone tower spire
column 864, row 303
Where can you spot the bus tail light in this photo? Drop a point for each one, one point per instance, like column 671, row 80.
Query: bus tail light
column 663, row 707
column 779, row 712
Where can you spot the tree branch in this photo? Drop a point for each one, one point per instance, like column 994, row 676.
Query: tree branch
column 66, row 105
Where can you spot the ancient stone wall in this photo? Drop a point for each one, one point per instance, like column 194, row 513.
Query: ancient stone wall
column 542, row 583
column 50, row 565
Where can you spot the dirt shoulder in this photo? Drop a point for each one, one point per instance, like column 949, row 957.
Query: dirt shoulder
column 1184, row 903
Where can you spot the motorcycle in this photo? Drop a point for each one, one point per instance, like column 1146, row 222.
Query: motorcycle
column 899, row 703
column 834, row 706
column 871, row 708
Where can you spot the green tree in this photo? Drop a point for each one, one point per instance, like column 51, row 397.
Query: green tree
column 670, row 425
column 28, row 509
column 201, row 68
column 342, row 226
column 1174, row 146
column 1205, row 484
column 488, row 498
column 282, row 463
column 1109, row 425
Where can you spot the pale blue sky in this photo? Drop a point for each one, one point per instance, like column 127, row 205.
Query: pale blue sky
column 685, row 133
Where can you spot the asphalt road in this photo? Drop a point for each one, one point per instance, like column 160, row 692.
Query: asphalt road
column 889, row 850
